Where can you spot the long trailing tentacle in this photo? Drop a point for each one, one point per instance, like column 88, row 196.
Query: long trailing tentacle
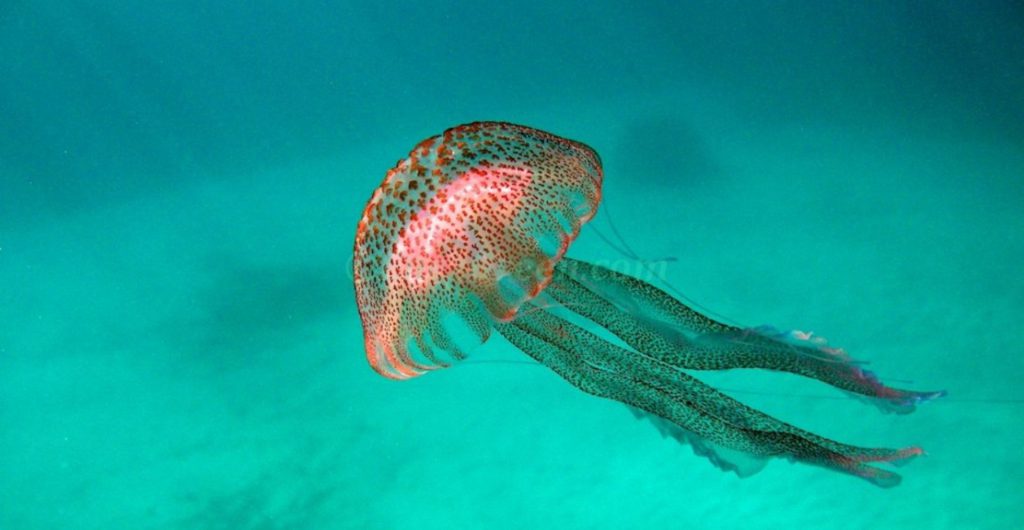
column 657, row 324
column 603, row 369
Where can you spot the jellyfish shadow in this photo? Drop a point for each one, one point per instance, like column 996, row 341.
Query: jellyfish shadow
column 246, row 309
column 666, row 151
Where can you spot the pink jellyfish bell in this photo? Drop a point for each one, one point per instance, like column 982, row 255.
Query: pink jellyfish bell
column 471, row 223
column 475, row 223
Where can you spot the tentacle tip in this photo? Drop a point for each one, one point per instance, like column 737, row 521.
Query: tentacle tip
column 909, row 452
column 905, row 455
column 919, row 398
column 894, row 400
column 882, row 478
column 886, row 481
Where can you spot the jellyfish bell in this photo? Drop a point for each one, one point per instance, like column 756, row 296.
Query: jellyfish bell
column 468, row 234
column 461, row 233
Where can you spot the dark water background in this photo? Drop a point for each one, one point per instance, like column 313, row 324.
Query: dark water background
column 179, row 188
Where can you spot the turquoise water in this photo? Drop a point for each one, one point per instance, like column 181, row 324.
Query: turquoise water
column 180, row 184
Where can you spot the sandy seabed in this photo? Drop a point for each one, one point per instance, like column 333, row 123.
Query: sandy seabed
column 193, row 359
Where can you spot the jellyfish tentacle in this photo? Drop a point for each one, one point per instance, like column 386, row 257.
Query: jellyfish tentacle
column 652, row 321
column 603, row 369
column 629, row 290
column 600, row 352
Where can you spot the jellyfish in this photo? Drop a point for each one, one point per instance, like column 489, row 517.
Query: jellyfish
column 468, row 235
